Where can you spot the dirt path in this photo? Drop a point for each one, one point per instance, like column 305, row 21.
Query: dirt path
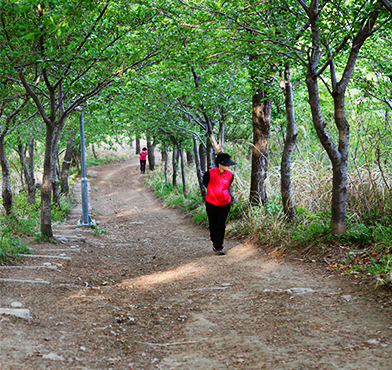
column 150, row 294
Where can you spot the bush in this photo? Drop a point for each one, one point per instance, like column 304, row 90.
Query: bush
column 11, row 247
column 382, row 269
column 360, row 234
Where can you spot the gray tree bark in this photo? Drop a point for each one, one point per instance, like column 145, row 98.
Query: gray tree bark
column 30, row 181
column 289, row 145
column 164, row 155
column 199, row 172
column 203, row 162
column 261, row 119
column 151, row 155
column 183, row 178
column 174, row 165
column 6, row 191
column 66, row 165
column 210, row 155
column 55, row 181
column 338, row 155
column 189, row 157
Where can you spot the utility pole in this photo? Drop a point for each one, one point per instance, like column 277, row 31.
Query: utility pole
column 85, row 220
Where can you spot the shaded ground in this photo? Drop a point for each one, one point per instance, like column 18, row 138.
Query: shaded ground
column 150, row 294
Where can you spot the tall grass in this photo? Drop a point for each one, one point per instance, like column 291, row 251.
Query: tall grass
column 368, row 204
column 25, row 221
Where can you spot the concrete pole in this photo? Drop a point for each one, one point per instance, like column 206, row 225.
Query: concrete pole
column 85, row 220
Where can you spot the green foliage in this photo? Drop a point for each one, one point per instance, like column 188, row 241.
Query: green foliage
column 40, row 238
column 312, row 232
column 11, row 247
column 176, row 200
column 273, row 204
column 200, row 215
column 382, row 269
column 27, row 216
column 19, row 226
column 237, row 211
column 59, row 214
column 161, row 189
column 383, row 236
column 26, row 221
column 97, row 230
column 360, row 234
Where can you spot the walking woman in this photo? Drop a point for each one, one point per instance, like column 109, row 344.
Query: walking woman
column 143, row 160
column 217, row 181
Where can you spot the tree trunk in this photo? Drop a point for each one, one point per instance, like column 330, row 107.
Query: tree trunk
column 189, row 157
column 202, row 153
column 6, row 183
column 210, row 155
column 137, row 148
column 77, row 158
column 184, row 193
column 151, row 155
column 165, row 162
column 199, row 172
column 31, row 188
column 174, row 164
column 261, row 119
column 289, row 145
column 66, row 165
column 31, row 163
column 55, row 181
column 93, row 150
column 339, row 168
column 222, row 127
column 338, row 158
column 337, row 155
column 52, row 134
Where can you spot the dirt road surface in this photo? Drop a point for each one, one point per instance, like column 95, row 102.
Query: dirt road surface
column 150, row 294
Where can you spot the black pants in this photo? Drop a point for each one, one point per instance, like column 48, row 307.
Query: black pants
column 217, row 216
column 142, row 166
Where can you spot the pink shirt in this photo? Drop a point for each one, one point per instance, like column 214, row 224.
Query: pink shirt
column 218, row 187
column 143, row 156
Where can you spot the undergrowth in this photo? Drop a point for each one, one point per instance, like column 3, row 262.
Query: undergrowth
column 25, row 221
column 309, row 230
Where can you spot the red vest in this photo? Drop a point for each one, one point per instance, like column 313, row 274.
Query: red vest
column 218, row 187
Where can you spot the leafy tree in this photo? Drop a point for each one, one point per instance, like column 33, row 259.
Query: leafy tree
column 65, row 54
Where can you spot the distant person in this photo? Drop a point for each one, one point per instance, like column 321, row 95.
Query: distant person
column 143, row 160
column 217, row 181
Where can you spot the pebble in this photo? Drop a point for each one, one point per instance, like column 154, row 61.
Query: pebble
column 16, row 305
column 53, row 356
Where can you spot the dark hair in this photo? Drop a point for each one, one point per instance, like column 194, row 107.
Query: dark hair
column 144, row 149
column 224, row 159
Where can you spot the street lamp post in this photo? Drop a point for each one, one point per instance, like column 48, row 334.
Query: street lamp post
column 85, row 219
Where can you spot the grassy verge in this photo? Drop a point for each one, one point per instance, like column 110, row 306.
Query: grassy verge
column 364, row 251
column 25, row 221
